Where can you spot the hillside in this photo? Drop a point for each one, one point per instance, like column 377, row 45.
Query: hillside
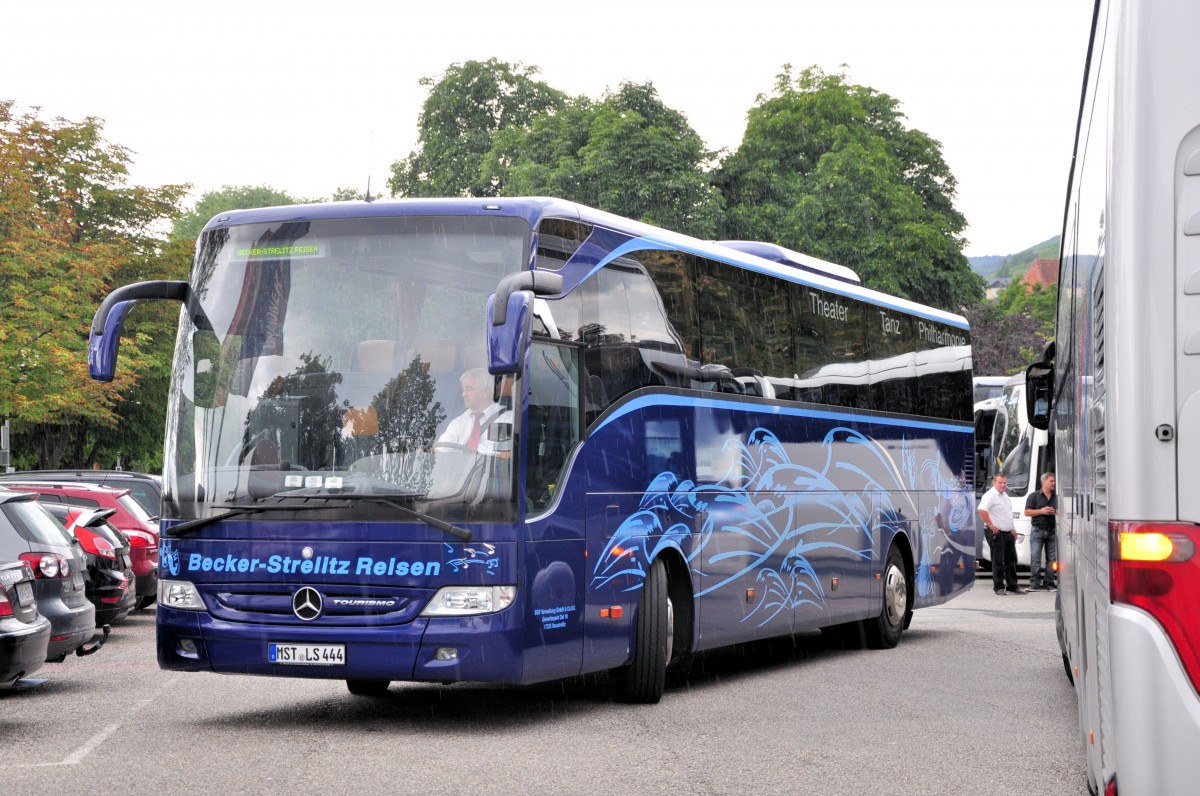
column 1014, row 265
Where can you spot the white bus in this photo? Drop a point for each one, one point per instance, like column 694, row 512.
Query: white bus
column 1120, row 390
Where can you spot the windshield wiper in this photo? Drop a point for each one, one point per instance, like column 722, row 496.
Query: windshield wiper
column 459, row 533
column 184, row 528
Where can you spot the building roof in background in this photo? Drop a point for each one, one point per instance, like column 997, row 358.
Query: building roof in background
column 1042, row 272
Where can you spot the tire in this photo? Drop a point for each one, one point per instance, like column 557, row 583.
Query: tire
column 645, row 676
column 368, row 688
column 883, row 632
column 145, row 602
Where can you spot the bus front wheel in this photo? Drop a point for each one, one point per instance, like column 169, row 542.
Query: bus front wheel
column 645, row 676
column 883, row 632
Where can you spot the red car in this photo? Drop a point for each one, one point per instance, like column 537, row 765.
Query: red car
column 128, row 517
column 109, row 581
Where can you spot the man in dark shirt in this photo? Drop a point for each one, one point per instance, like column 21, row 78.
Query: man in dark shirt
column 1041, row 506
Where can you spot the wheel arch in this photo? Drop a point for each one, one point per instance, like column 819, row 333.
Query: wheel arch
column 680, row 592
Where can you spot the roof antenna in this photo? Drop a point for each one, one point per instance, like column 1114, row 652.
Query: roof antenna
column 370, row 158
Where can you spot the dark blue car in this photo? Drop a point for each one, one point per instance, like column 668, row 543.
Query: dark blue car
column 24, row 634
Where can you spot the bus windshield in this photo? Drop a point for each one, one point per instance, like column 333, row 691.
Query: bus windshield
column 333, row 357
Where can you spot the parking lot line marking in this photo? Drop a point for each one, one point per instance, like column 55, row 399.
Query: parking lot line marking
column 78, row 756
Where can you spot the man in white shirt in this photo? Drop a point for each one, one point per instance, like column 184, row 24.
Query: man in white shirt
column 469, row 430
column 995, row 510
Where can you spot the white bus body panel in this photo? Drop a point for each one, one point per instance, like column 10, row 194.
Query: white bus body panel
column 1129, row 443
column 1154, row 108
column 1187, row 319
column 1155, row 692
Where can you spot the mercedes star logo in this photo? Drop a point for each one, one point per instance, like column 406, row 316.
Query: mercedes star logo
column 307, row 603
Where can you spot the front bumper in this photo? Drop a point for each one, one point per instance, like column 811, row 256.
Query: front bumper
column 486, row 647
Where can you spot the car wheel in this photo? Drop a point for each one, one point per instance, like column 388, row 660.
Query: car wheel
column 883, row 632
column 645, row 676
column 368, row 688
column 145, row 602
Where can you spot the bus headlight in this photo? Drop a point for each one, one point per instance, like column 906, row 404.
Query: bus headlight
column 179, row 594
column 470, row 600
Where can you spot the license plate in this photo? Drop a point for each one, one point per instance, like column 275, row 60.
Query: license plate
column 307, row 654
column 25, row 594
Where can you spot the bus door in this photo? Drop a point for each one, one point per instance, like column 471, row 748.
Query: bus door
column 555, row 565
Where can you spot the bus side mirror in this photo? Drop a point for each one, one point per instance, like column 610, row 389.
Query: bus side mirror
column 1039, row 394
column 509, row 312
column 105, row 336
column 505, row 342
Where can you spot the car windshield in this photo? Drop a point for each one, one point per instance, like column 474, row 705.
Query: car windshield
column 146, row 496
column 135, row 509
column 334, row 357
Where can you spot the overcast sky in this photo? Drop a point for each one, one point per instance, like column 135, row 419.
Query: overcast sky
column 308, row 97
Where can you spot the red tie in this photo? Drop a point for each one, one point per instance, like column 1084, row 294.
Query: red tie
column 473, row 440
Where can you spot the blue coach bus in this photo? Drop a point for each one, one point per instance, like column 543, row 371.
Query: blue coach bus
column 680, row 445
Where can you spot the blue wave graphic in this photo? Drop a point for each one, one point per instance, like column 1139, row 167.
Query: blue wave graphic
column 767, row 506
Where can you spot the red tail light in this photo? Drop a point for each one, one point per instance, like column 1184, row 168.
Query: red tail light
column 47, row 565
column 6, row 608
column 95, row 544
column 141, row 538
column 1155, row 568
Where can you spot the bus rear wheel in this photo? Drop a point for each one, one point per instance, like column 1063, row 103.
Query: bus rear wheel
column 645, row 676
column 883, row 632
column 368, row 688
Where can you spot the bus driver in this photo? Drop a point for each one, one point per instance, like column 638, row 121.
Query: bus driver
column 469, row 430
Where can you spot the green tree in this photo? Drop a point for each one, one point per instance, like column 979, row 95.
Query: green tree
column 628, row 154
column 229, row 197
column 1003, row 344
column 136, row 440
column 347, row 194
column 465, row 109
column 69, row 225
column 1039, row 303
column 829, row 168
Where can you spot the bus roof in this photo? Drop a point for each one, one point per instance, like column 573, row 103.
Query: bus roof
column 807, row 270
